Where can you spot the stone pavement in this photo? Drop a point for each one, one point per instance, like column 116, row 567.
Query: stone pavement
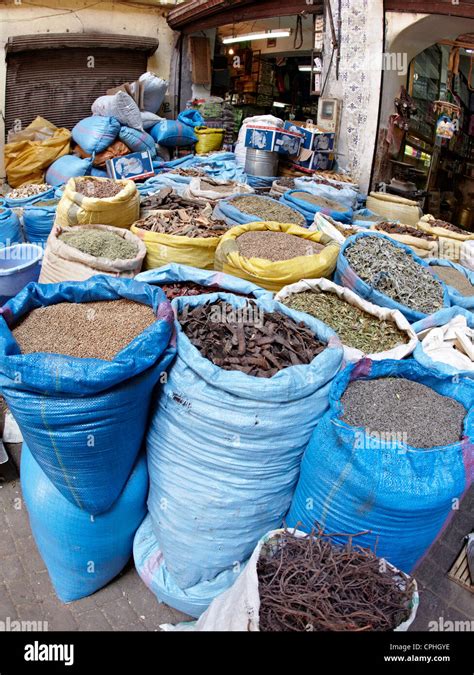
column 127, row 604
column 26, row 592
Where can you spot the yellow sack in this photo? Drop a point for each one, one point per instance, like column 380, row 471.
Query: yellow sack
column 162, row 249
column 209, row 139
column 121, row 210
column 274, row 275
column 30, row 151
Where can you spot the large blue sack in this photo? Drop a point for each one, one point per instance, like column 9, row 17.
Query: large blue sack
column 343, row 195
column 137, row 141
column 456, row 297
column 99, row 173
column 224, row 449
column 432, row 321
column 192, row 118
column 225, row 210
column 151, row 567
column 84, row 419
column 171, row 133
column 38, row 219
column 345, row 276
column 173, row 272
column 351, row 482
column 81, row 553
column 66, row 167
column 96, row 133
column 10, row 228
column 309, row 210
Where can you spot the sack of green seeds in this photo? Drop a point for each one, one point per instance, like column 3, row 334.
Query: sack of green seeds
column 364, row 329
column 64, row 261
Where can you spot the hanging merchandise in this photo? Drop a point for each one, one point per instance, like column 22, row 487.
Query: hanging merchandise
column 69, row 538
column 445, row 127
column 73, row 410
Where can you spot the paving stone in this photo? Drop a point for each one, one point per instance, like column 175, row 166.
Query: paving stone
column 83, row 604
column 31, row 611
column 58, row 615
column 21, row 591
column 42, row 586
column 12, row 568
column 93, row 620
column 113, row 591
column 120, row 613
column 7, row 606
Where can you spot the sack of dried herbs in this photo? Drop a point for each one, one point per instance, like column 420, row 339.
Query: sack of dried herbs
column 237, row 438
column 365, row 329
column 89, row 200
column 78, row 253
column 274, row 264
column 389, row 274
column 388, row 458
column 459, row 280
column 421, row 243
column 295, row 582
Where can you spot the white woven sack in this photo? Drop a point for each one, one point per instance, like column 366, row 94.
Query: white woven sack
column 384, row 313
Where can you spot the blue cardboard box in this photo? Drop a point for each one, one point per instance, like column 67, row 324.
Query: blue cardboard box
column 261, row 137
column 311, row 160
column 134, row 166
column 313, row 138
column 288, row 142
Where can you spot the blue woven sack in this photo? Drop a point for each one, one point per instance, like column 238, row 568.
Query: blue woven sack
column 84, row 419
column 10, row 229
column 440, row 319
column 351, row 482
column 237, row 440
column 345, row 276
column 66, row 167
column 173, row 273
column 96, row 133
column 38, row 220
column 152, row 569
column 26, row 201
column 171, row 133
column 192, row 118
column 137, row 141
column 309, row 210
column 82, row 554
column 456, row 297
column 98, row 173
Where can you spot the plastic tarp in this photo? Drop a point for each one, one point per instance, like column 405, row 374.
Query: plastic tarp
column 309, row 210
column 173, row 273
column 84, row 419
column 351, row 481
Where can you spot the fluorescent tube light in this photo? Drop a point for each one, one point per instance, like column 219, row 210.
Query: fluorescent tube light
column 283, row 32
column 279, row 104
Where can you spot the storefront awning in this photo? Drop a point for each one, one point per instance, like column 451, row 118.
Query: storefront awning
column 195, row 15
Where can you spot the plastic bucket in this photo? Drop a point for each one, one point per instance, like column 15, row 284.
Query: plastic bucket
column 261, row 162
column 19, row 264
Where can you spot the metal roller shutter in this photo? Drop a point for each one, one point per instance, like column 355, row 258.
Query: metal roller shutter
column 51, row 75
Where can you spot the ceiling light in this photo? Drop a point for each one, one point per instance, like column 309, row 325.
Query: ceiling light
column 279, row 104
column 304, row 69
column 271, row 34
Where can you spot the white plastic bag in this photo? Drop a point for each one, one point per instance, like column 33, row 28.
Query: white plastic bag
column 195, row 189
column 351, row 354
column 238, row 608
column 121, row 106
column 451, row 344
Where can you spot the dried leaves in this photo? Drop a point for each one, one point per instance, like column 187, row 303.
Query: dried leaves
column 312, row 584
column 248, row 339
column 98, row 189
column 392, row 271
column 355, row 327
column 183, row 223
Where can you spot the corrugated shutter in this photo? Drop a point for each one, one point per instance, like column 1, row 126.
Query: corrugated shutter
column 58, row 84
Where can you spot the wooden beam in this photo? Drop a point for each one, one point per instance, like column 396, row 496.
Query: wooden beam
column 197, row 15
column 465, row 8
